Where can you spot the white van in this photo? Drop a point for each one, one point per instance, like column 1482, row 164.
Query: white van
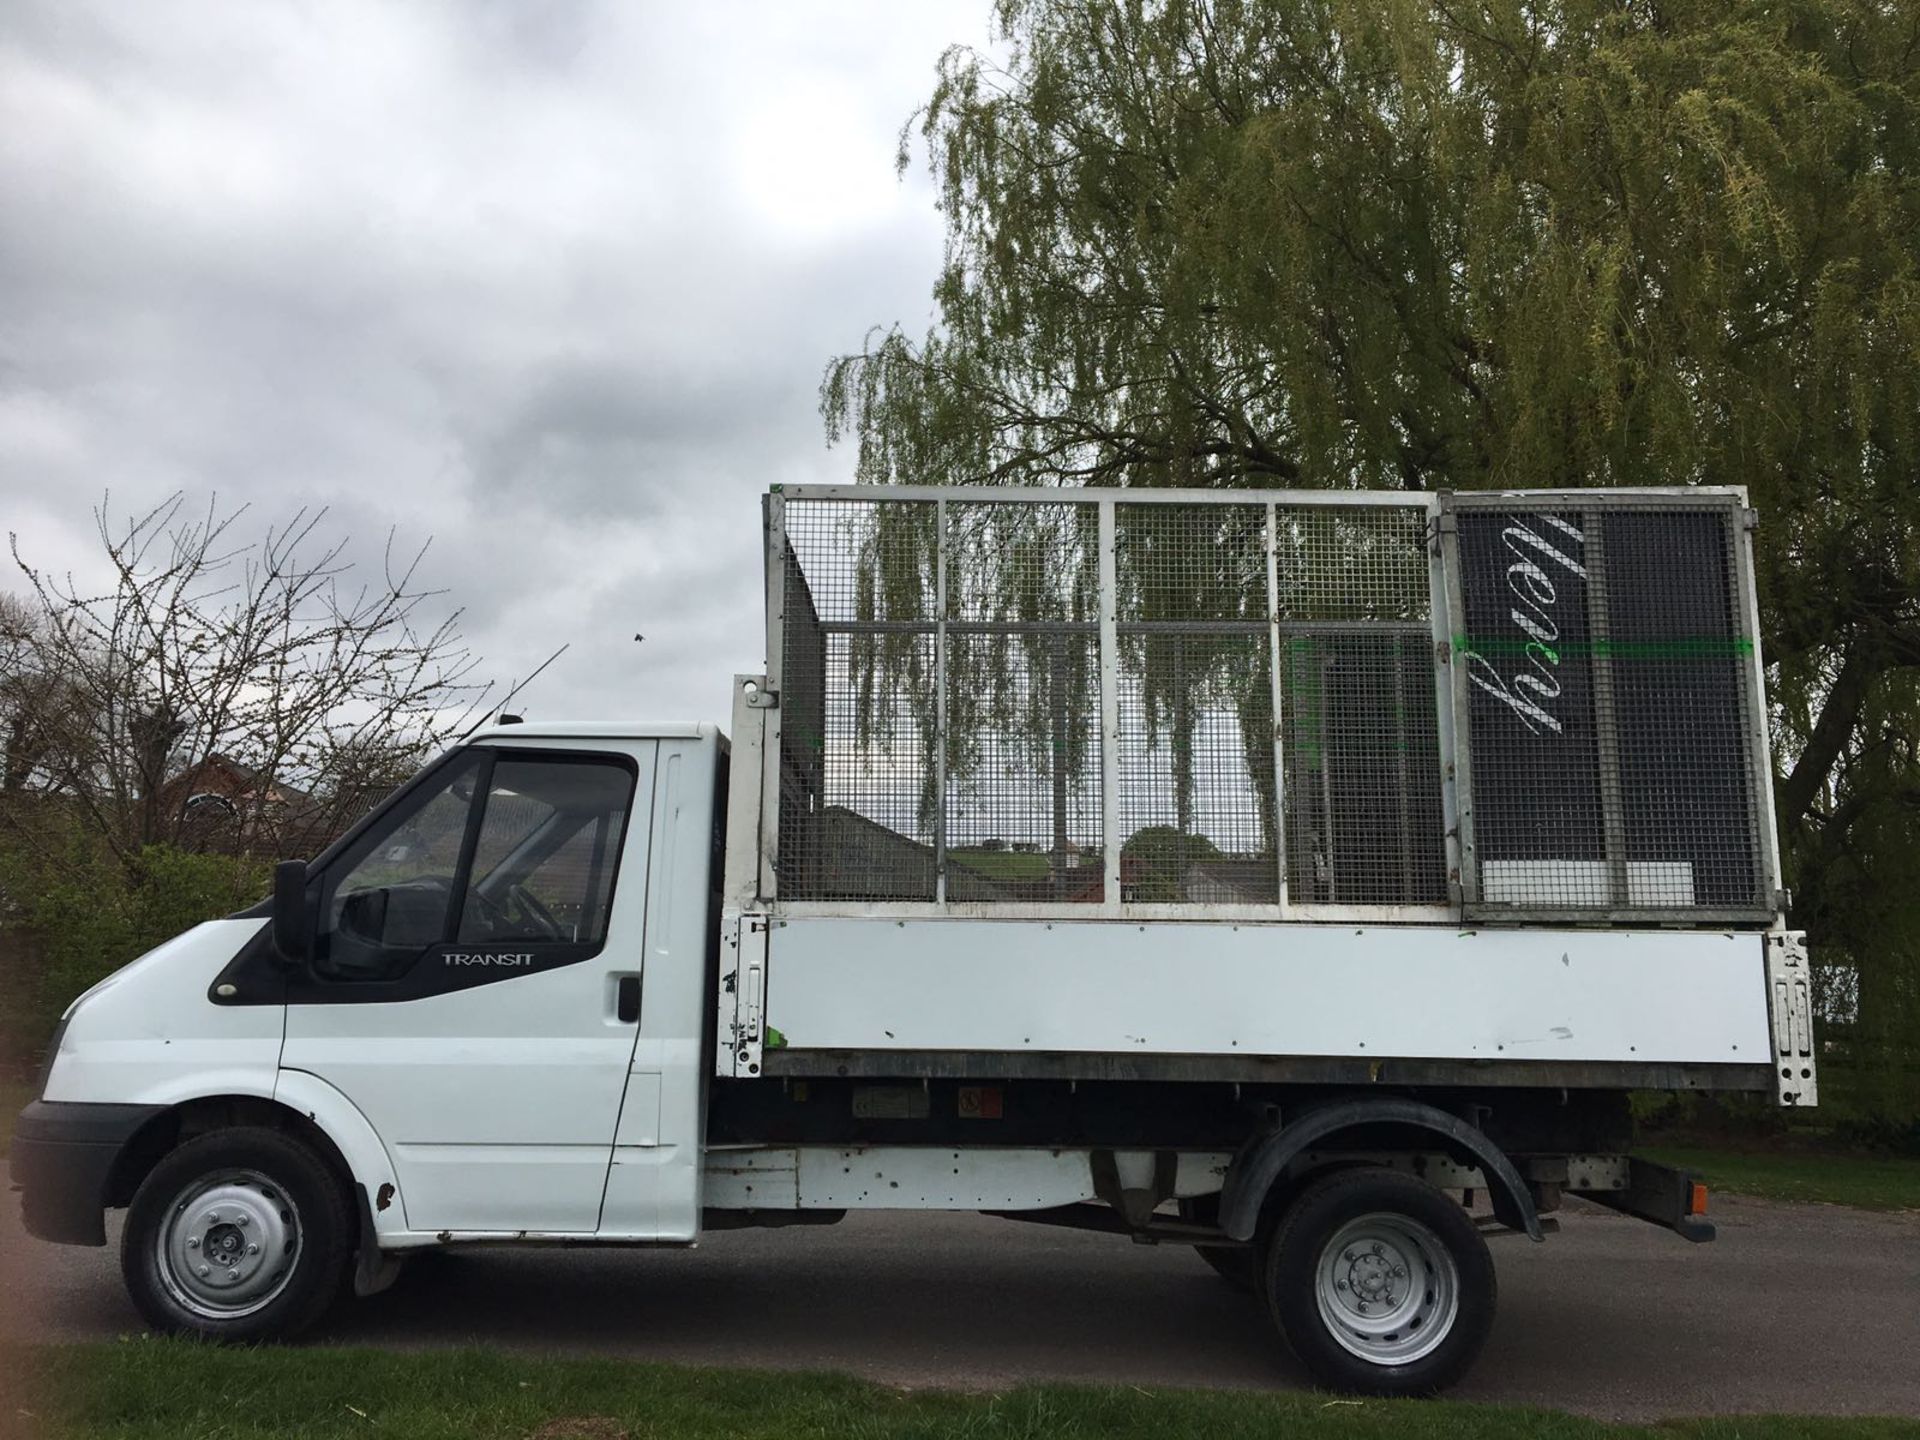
column 1203, row 868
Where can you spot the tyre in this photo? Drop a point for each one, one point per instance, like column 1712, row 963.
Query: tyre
column 1380, row 1284
column 239, row 1235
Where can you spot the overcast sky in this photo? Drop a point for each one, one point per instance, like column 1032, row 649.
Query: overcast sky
column 552, row 283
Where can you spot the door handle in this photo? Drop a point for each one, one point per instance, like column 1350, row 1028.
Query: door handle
column 626, row 1002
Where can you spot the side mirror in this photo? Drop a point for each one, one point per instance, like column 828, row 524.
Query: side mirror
column 363, row 915
column 290, row 910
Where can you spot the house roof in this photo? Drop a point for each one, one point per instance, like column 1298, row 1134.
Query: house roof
column 245, row 777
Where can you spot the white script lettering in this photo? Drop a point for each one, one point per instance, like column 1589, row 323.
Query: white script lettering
column 1536, row 595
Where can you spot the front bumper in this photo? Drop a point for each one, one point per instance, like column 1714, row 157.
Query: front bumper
column 60, row 1159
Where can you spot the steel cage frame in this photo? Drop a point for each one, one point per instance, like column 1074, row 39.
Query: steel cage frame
column 1445, row 616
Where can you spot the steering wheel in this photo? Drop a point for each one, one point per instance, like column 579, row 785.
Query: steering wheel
column 535, row 921
column 536, row 912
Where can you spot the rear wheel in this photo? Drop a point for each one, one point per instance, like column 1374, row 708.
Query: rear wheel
column 1381, row 1284
column 238, row 1235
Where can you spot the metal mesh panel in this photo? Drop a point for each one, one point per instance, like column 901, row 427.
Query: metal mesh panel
column 1010, row 807
column 1023, row 794
column 1196, row 794
column 1362, row 767
column 1023, row 704
column 1011, row 566
column 1352, row 563
column 803, row 733
column 858, row 701
column 1361, row 740
column 1607, row 678
column 1681, row 670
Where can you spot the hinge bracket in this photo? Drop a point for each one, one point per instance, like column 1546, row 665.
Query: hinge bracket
column 1790, row 1008
column 743, row 995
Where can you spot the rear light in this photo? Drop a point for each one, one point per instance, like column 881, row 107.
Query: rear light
column 1696, row 1198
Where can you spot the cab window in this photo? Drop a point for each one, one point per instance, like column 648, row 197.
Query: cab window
column 543, row 866
column 393, row 899
column 518, row 849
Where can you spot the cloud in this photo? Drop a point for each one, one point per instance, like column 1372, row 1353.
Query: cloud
column 551, row 284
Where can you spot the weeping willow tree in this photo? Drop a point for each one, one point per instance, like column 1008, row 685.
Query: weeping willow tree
column 1351, row 243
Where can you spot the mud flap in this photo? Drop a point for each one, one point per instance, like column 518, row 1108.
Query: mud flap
column 374, row 1269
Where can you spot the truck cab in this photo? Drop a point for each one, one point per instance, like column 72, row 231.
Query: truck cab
column 487, row 1008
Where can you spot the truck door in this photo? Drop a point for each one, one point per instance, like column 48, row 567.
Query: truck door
column 475, row 979
column 653, row 1192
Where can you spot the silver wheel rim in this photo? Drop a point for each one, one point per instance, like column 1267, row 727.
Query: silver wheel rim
column 228, row 1244
column 1387, row 1288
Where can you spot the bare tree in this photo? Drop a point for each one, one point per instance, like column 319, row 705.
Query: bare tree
column 216, row 692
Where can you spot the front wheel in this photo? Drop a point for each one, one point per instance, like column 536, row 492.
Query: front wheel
column 238, row 1235
column 1380, row 1284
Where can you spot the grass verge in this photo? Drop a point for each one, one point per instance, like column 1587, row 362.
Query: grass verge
column 1867, row 1182
column 146, row 1389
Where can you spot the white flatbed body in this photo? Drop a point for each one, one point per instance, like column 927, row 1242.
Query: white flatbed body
column 1186, row 988
column 1600, row 907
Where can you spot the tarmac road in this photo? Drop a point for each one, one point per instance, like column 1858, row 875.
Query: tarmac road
column 1796, row 1308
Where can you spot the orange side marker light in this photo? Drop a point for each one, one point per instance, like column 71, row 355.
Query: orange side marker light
column 1697, row 1199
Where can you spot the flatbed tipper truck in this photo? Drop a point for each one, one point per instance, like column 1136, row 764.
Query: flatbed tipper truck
column 1304, row 877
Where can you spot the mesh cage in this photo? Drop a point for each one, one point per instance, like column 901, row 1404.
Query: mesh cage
column 1605, row 676
column 1105, row 698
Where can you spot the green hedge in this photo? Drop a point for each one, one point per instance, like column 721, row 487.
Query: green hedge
column 75, row 915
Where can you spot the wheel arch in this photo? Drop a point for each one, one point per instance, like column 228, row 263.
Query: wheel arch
column 202, row 1115
column 1264, row 1163
column 301, row 1105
